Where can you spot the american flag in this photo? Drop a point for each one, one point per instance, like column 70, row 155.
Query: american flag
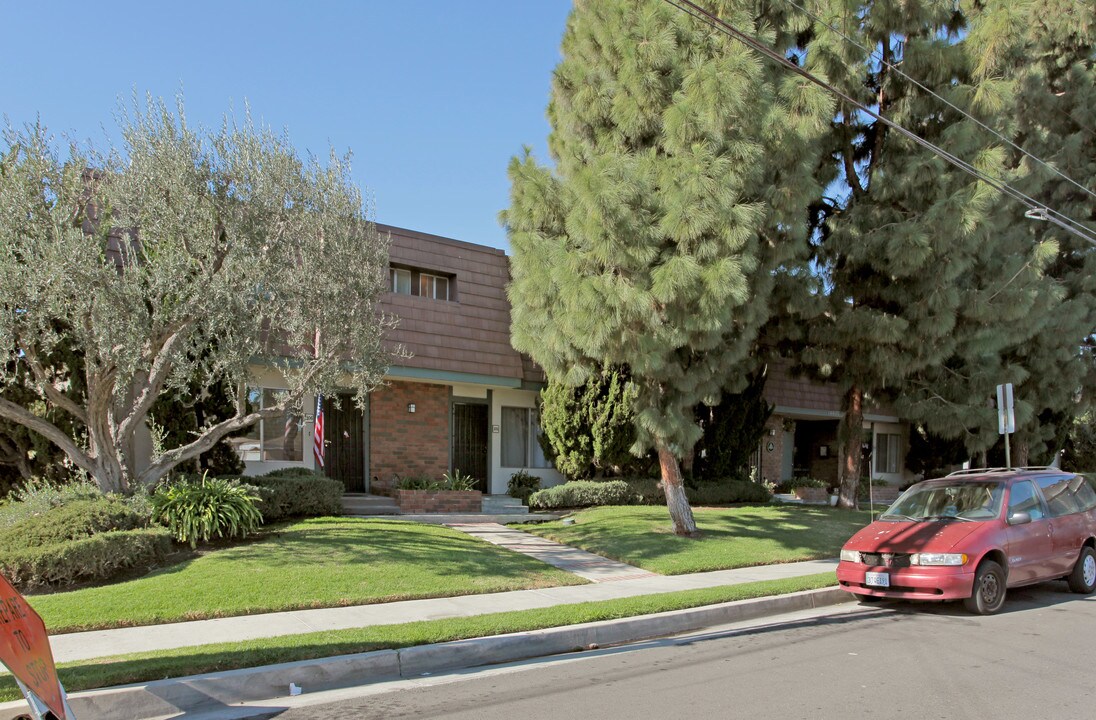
column 317, row 436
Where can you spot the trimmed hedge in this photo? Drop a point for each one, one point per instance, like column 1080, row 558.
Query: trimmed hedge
column 296, row 492
column 72, row 521
column 645, row 491
column 727, row 492
column 91, row 559
column 582, row 493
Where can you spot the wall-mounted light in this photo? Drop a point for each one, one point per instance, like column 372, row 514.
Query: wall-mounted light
column 772, row 432
column 410, row 407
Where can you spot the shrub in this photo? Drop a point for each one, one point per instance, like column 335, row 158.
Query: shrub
column 648, row 491
column 306, row 494
column 294, row 472
column 725, row 492
column 457, row 481
column 522, row 485
column 91, row 559
column 72, row 521
column 582, row 493
column 36, row 496
column 201, row 510
column 804, row 482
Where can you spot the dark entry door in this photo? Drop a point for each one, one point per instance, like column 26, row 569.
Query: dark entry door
column 469, row 448
column 344, row 438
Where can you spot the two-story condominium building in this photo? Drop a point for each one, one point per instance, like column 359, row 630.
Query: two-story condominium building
column 463, row 399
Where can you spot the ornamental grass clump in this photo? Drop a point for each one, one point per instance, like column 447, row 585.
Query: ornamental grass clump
column 201, row 510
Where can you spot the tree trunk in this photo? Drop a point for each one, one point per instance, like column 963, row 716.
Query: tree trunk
column 674, row 488
column 851, row 435
column 1021, row 452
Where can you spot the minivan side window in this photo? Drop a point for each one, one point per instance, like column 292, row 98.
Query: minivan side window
column 1061, row 499
column 1023, row 499
column 1085, row 489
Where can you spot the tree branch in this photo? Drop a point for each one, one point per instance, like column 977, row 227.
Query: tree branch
column 159, row 354
column 43, row 383
column 20, row 415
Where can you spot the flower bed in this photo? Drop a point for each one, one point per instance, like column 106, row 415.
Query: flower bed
column 438, row 501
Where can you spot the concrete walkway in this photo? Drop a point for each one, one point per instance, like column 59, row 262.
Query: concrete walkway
column 103, row 643
column 594, row 568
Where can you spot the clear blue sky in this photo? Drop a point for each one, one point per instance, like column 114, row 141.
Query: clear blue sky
column 433, row 97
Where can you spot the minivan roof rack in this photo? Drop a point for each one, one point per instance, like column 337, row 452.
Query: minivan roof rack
column 987, row 471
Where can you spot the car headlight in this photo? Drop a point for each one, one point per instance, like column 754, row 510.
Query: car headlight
column 852, row 556
column 938, row 559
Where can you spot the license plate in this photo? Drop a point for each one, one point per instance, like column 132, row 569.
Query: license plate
column 877, row 579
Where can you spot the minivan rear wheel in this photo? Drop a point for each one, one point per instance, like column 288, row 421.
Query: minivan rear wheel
column 989, row 589
column 1083, row 578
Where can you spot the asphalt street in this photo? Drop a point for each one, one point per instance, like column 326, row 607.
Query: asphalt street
column 895, row 660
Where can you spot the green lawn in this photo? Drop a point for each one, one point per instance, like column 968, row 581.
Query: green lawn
column 143, row 667
column 321, row 562
column 730, row 537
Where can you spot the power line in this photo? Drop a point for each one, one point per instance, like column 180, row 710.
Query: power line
column 984, row 126
column 1036, row 210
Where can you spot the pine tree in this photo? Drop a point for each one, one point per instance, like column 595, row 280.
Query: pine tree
column 683, row 168
column 900, row 227
column 1032, row 324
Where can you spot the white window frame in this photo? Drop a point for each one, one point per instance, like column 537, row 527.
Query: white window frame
column 258, row 454
column 533, row 453
column 888, row 453
column 394, row 276
column 430, row 281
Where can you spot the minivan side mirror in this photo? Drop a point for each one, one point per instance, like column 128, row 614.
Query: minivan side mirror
column 1019, row 518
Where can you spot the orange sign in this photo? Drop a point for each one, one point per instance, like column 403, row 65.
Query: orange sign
column 24, row 648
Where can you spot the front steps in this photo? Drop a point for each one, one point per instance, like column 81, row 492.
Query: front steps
column 366, row 504
column 503, row 505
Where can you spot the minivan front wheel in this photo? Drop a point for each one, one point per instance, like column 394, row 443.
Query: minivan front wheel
column 989, row 589
column 1083, row 578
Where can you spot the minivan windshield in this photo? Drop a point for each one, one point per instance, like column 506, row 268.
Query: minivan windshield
column 966, row 501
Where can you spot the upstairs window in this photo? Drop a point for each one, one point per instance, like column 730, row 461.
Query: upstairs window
column 401, row 280
column 428, row 284
column 434, row 286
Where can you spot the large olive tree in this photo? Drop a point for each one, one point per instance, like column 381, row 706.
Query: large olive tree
column 184, row 256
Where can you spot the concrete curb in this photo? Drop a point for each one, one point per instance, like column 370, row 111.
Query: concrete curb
column 218, row 691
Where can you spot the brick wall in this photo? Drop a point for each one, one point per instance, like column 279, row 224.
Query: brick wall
column 771, row 462
column 438, row 501
column 406, row 443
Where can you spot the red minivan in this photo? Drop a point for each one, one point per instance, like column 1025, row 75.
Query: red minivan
column 974, row 533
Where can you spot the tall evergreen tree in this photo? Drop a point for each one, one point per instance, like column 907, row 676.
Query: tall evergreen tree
column 1035, row 63
column 900, row 227
column 683, row 166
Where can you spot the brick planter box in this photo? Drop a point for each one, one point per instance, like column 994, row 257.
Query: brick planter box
column 812, row 494
column 881, row 495
column 413, row 502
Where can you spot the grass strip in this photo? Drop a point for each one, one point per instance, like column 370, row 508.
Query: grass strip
column 145, row 667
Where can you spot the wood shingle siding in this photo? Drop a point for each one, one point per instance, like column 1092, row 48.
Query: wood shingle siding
column 469, row 333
